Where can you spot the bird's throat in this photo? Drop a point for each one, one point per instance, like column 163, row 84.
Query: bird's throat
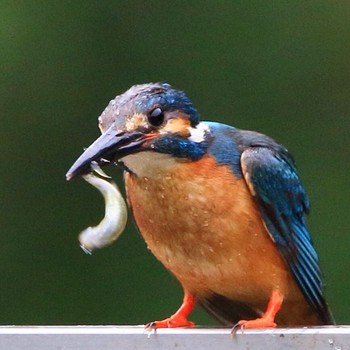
column 149, row 164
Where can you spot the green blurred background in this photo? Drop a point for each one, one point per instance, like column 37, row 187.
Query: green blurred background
column 279, row 67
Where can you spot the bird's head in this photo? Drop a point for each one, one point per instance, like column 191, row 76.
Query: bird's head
column 146, row 118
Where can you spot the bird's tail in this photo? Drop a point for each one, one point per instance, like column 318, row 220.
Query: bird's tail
column 226, row 311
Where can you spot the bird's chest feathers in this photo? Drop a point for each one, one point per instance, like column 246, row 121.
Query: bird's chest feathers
column 194, row 215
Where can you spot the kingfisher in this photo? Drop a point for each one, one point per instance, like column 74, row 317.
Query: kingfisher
column 223, row 209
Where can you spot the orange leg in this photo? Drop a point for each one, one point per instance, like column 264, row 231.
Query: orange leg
column 268, row 318
column 179, row 319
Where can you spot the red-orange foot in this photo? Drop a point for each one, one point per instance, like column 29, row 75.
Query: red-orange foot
column 170, row 322
column 179, row 319
column 263, row 322
column 267, row 320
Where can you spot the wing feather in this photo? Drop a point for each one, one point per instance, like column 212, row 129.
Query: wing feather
column 273, row 181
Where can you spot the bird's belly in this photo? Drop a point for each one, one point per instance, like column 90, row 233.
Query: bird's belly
column 204, row 226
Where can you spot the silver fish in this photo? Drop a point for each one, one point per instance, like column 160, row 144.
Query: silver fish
column 114, row 221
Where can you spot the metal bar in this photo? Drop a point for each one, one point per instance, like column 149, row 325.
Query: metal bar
column 134, row 337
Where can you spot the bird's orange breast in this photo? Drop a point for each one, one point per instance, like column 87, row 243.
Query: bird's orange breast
column 202, row 223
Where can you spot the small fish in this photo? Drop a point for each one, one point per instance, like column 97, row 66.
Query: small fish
column 113, row 224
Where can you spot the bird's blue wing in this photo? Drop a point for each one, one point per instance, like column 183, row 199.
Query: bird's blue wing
column 273, row 180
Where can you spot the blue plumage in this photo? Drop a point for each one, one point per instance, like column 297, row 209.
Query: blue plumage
column 164, row 96
column 179, row 147
column 283, row 204
column 223, row 146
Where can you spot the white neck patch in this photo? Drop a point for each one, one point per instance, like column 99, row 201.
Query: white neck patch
column 198, row 133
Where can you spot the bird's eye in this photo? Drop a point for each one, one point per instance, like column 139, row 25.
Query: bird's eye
column 156, row 117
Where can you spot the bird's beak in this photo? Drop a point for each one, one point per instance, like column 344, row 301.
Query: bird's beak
column 110, row 146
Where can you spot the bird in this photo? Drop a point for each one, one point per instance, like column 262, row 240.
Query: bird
column 222, row 208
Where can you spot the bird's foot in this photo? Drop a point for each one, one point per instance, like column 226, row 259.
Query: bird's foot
column 179, row 319
column 170, row 322
column 268, row 318
column 263, row 322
